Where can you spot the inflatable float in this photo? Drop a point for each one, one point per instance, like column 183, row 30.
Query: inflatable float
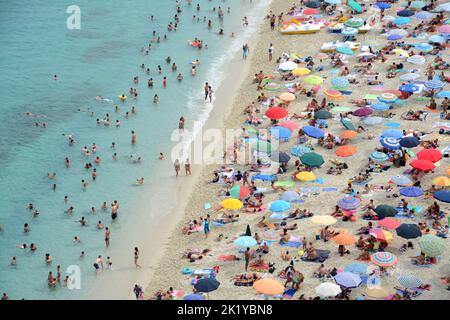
column 122, row 97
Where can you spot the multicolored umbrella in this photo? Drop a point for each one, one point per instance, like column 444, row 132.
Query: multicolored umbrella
column 408, row 231
column 432, row 245
column 383, row 259
column 381, row 234
column 409, row 87
column 379, row 156
column 349, row 203
column 239, row 192
column 348, row 280
column 390, row 143
column 434, row 84
column 312, row 159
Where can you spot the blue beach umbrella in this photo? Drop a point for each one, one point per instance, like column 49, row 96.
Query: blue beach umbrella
column 333, row 1
column 394, row 37
column 290, row 196
column 444, row 7
column 392, row 133
column 371, row 121
column 401, row 21
column 245, row 241
column 379, row 156
column 313, row 132
column 359, row 268
column 409, row 87
column 411, row 192
column 409, row 142
column 312, row 4
column 280, row 133
column 340, row 82
column 194, row 297
column 434, row 84
column 405, row 13
column 401, row 180
column 264, row 177
column 345, row 50
column 423, row 15
column 348, row 280
column 425, row 47
column 443, row 94
column 298, row 151
column 382, row 5
column 436, row 39
column 390, row 143
column 279, row 206
column 442, row 195
column 277, row 216
column 349, row 203
column 379, row 106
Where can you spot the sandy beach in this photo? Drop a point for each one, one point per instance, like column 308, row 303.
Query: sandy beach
column 167, row 273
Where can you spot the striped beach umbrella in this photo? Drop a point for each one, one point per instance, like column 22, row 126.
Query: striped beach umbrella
column 409, row 280
column 408, row 231
column 349, row 32
column 354, row 22
column 349, row 203
column 432, row 245
column 392, row 133
column 409, row 76
column 379, row 156
column 383, row 259
column 401, row 180
column 434, row 84
column 387, row 97
column 390, row 143
column 348, row 279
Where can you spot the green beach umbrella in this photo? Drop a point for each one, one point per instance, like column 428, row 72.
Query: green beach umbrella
column 431, row 245
column 312, row 159
column 322, row 114
column 285, row 183
column 355, row 6
column 341, row 109
column 354, row 22
column 263, row 146
column 313, row 80
column 384, row 210
column 348, row 124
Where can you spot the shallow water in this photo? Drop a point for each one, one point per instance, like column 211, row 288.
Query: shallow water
column 99, row 59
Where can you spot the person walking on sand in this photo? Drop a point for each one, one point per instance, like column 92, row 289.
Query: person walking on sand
column 133, row 137
column 187, row 167
column 248, row 257
column 206, row 226
column 245, row 51
column 271, row 52
column 177, row 167
column 136, row 257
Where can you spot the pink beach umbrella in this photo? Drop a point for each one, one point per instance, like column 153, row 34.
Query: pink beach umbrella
column 444, row 29
column 290, row 125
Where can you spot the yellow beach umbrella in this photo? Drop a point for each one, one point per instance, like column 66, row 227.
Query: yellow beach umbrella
column 287, row 96
column 323, row 219
column 301, row 71
column 231, row 204
column 401, row 52
column 306, row 176
column 441, row 181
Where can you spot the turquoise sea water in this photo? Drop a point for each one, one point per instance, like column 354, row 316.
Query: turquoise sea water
column 99, row 59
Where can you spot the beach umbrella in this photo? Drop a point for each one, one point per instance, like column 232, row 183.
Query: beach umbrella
column 340, row 109
column 322, row 114
column 306, row 176
column 313, row 132
column 390, row 143
column 441, row 181
column 389, row 223
column 348, row 124
column 312, row 5
column 313, row 80
column 325, row 220
column 443, row 94
column 328, row 289
column 275, row 113
column 379, row 156
column 333, row 1
column 416, row 59
column 285, row 184
column 263, row 146
column 434, row 84
column 356, row 267
column 268, row 286
column 377, row 292
column 348, row 134
column 270, row 235
column 383, row 259
column 245, row 241
column 392, row 133
column 345, row 50
column 287, row 96
column 387, row 97
column 300, row 150
column 411, row 192
column 344, row 239
column 345, row 151
column 281, row 157
column 381, row 234
column 409, row 76
column 423, row 15
column 422, row 165
column 194, row 296
column 207, row 285
column 279, row 206
column 287, row 66
column 289, row 124
column 231, row 204
column 409, row 87
column 239, row 192
column 444, row 29
column 290, row 196
column 348, row 279
column 444, row 7
column 354, row 22
column 340, row 82
column 379, row 106
column 362, row 112
column 312, row 159
column 384, row 210
column 409, row 142
column 349, row 203
column 403, row 33
column 417, row 4
column 280, row 133
column 408, row 231
column 371, row 121
column 409, row 281
column 272, row 86
column 349, row 32
column 442, row 195
column 432, row 155
column 425, row 47
column 393, row 37
column 332, row 93
column 405, row 13
column 432, row 245
column 355, row 6
column 400, row 21
column 401, row 180
column 382, row 5
column 301, row 72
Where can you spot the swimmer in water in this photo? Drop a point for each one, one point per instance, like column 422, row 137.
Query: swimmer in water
column 55, row 77
column 155, row 98
column 179, row 77
column 161, row 156
column 140, row 181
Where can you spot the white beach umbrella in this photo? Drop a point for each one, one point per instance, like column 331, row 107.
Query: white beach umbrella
column 416, row 59
column 287, row 66
column 328, row 289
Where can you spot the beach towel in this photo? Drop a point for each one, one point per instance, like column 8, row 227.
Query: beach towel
column 289, row 293
column 345, row 92
column 319, row 180
column 207, row 205
column 371, row 97
column 322, row 255
column 329, row 189
column 293, row 244
column 392, row 124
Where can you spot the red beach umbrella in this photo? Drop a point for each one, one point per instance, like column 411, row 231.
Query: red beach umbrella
column 432, row 155
column 276, row 113
column 389, row 223
column 422, row 165
column 310, row 11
